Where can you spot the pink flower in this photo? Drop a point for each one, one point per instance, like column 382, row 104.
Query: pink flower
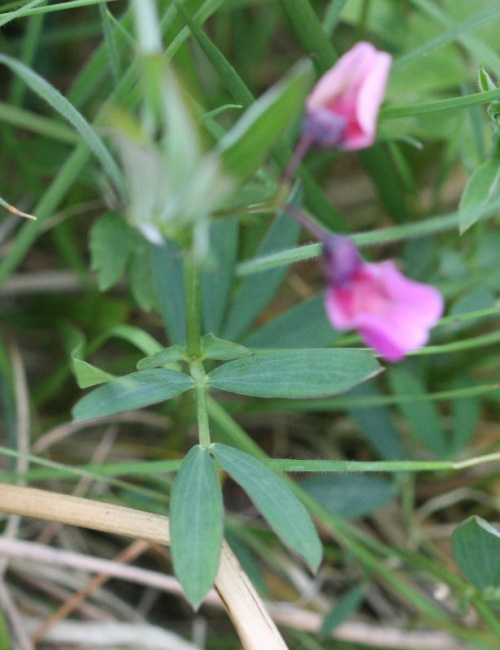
column 342, row 109
column 392, row 313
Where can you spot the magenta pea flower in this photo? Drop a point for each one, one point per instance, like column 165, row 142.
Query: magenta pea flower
column 392, row 313
column 343, row 107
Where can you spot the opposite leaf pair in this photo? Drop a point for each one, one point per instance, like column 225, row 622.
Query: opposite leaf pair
column 196, row 514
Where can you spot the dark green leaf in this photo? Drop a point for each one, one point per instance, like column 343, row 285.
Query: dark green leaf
column 295, row 373
column 423, row 416
column 256, row 290
column 59, row 103
column 217, row 275
column 169, row 282
column 140, row 274
column 303, row 325
column 476, row 547
column 111, row 244
column 286, row 515
column 196, row 524
column 132, row 391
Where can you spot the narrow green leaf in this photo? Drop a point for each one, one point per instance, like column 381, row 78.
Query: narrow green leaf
column 255, row 292
column 480, row 189
column 476, row 547
column 163, row 357
column 376, row 423
column 88, row 375
column 456, row 30
column 423, row 416
column 140, row 273
column 283, row 511
column 221, row 350
column 244, row 148
column 169, row 282
column 465, row 417
column 218, row 274
column 196, row 524
column 309, row 31
column 296, row 373
column 346, row 605
column 133, row 391
column 233, row 82
column 137, row 337
column 59, row 103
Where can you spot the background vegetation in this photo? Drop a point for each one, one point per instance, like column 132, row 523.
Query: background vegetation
column 389, row 579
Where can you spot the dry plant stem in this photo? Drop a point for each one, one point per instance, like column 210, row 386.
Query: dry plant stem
column 253, row 624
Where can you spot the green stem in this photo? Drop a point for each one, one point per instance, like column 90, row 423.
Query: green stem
column 198, row 374
column 192, row 294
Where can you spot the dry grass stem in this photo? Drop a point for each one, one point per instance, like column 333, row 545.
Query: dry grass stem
column 253, row 623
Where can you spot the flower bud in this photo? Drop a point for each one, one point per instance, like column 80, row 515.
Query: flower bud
column 343, row 108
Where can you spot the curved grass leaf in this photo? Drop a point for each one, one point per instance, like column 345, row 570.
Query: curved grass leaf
column 196, row 524
column 295, row 373
column 283, row 511
column 59, row 103
column 132, row 391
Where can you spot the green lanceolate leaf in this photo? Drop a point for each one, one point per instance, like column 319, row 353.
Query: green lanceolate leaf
column 295, row 373
column 196, row 524
column 482, row 186
column 168, row 355
column 132, row 391
column 286, row 515
column 244, row 148
column 221, row 350
column 86, row 374
column 476, row 547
